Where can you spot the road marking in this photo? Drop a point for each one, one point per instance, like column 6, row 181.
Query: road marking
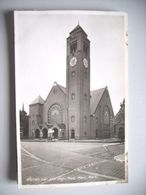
column 106, row 148
column 31, row 155
column 76, row 169
column 26, row 155
column 99, row 175
column 25, row 168
column 35, row 157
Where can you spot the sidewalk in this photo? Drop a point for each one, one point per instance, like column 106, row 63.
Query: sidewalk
column 109, row 140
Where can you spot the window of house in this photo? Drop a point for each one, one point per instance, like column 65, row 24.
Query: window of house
column 72, row 134
column 73, row 96
column 33, row 122
column 106, row 116
column 85, row 49
column 73, row 47
column 54, row 90
column 85, row 96
column 73, row 73
column 55, row 114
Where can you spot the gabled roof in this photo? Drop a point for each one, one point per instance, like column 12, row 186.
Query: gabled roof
column 62, row 88
column 121, row 110
column 38, row 100
column 96, row 96
column 78, row 28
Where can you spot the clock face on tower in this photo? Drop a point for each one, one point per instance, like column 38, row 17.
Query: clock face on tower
column 85, row 62
column 73, row 61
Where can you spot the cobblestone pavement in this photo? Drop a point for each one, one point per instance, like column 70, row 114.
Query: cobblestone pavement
column 67, row 162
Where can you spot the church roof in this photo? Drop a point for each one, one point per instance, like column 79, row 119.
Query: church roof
column 62, row 88
column 121, row 111
column 38, row 100
column 78, row 28
column 96, row 96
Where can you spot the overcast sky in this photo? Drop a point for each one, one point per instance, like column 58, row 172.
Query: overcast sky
column 40, row 53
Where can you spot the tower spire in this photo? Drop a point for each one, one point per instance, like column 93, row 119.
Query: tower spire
column 78, row 113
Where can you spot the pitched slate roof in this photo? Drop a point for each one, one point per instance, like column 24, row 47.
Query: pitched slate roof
column 96, row 96
column 38, row 100
column 120, row 112
column 62, row 88
column 78, row 28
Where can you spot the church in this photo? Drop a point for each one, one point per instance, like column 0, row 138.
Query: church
column 73, row 112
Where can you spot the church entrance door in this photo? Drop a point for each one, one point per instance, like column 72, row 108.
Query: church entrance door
column 96, row 133
column 121, row 133
column 55, row 134
column 72, row 134
column 37, row 133
column 45, row 133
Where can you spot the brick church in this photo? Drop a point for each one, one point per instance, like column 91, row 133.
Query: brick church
column 73, row 112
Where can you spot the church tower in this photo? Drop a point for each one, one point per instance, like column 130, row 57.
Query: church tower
column 78, row 84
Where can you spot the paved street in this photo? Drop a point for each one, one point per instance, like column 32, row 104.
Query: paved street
column 63, row 162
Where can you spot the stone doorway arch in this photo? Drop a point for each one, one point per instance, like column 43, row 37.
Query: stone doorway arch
column 72, row 134
column 37, row 133
column 55, row 133
column 121, row 134
column 45, row 133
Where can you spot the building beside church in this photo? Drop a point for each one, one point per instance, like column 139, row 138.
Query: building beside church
column 119, row 122
column 73, row 112
column 24, row 121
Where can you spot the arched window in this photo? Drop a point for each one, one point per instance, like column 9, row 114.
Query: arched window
column 37, row 133
column 55, row 90
column 45, row 133
column 106, row 116
column 55, row 133
column 73, row 73
column 85, row 96
column 55, row 114
column 33, row 123
column 85, row 49
column 73, row 47
column 73, row 96
column 72, row 134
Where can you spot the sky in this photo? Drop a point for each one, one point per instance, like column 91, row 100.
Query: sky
column 40, row 52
